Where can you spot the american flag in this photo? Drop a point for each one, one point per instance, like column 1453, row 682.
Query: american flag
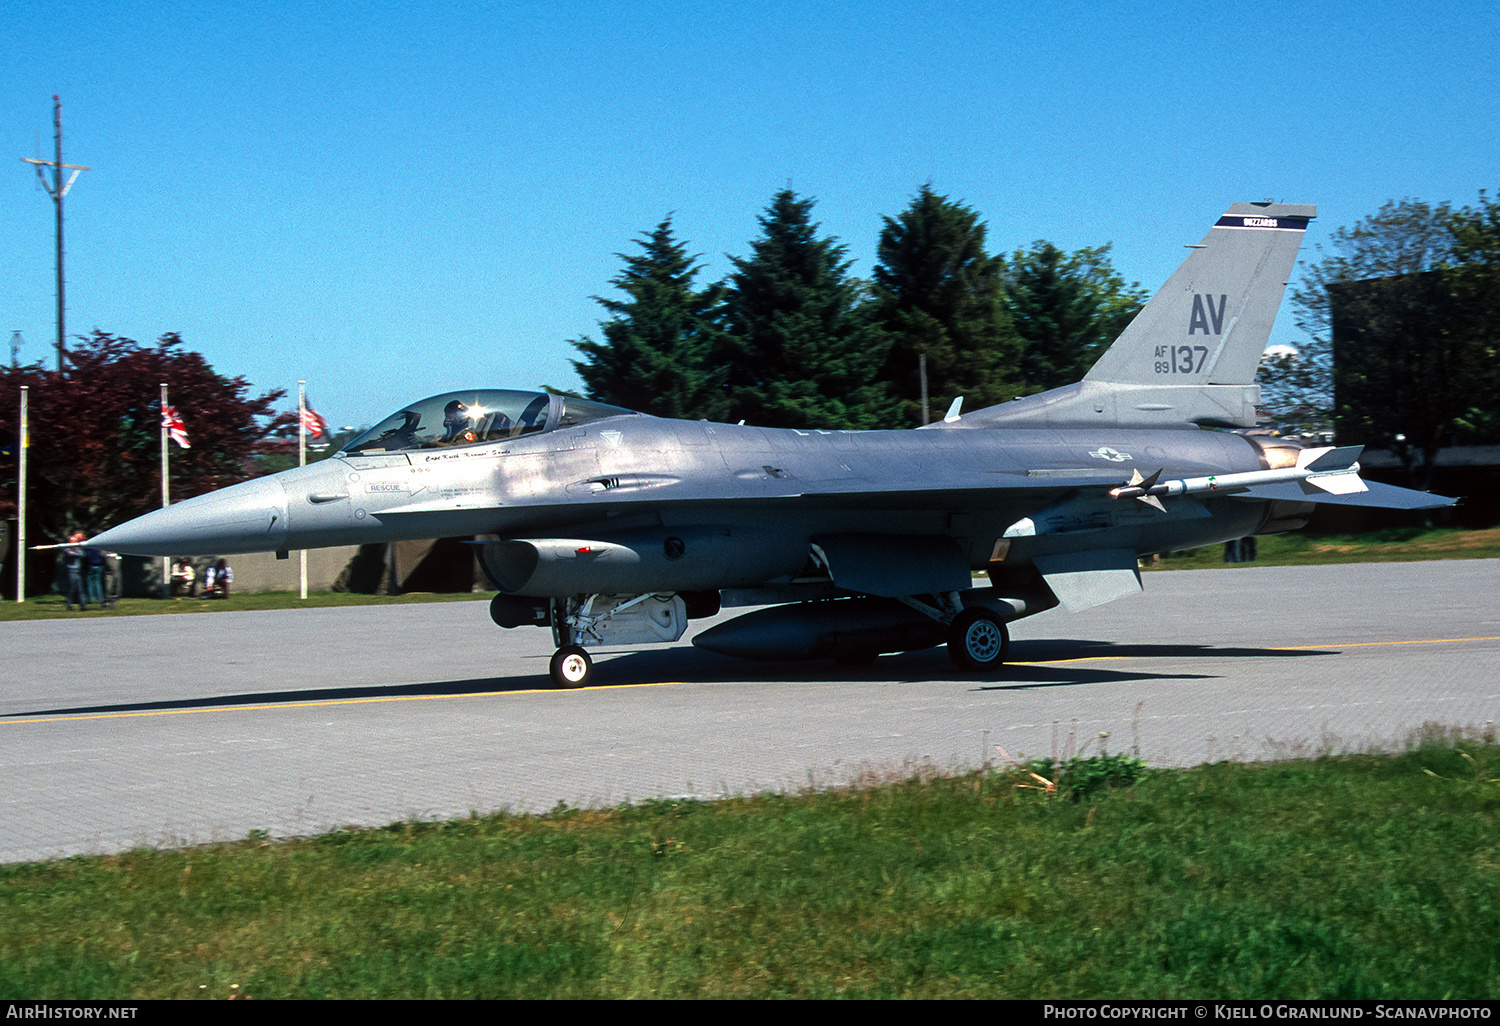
column 174, row 425
column 313, row 422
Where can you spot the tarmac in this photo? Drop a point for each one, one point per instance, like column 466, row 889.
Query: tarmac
column 182, row 730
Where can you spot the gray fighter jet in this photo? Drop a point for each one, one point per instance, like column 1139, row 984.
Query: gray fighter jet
column 610, row 527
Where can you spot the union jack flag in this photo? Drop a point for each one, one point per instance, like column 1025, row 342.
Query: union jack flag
column 174, row 425
column 313, row 422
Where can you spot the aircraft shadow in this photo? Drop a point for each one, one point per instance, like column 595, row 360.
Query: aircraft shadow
column 477, row 685
column 1034, row 664
column 696, row 665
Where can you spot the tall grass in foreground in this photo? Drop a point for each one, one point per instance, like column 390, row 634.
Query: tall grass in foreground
column 1354, row 876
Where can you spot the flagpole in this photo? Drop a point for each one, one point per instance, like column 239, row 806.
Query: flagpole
column 21, row 441
column 302, row 462
column 166, row 494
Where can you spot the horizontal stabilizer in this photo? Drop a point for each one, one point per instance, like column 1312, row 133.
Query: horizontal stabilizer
column 1377, row 495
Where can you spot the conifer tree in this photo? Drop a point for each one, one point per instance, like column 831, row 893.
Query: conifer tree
column 657, row 345
column 1067, row 309
column 798, row 349
column 937, row 293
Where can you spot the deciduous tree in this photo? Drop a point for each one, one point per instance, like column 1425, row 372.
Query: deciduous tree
column 1404, row 303
column 95, row 432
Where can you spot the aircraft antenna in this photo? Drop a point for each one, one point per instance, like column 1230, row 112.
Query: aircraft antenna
column 57, row 189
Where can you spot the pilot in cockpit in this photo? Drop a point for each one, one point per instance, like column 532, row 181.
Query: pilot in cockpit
column 474, row 417
column 463, row 424
column 457, row 424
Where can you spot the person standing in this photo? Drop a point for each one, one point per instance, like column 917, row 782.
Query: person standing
column 73, row 560
column 93, row 560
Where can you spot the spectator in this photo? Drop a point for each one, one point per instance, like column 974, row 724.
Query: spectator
column 73, row 560
column 184, row 579
column 94, row 565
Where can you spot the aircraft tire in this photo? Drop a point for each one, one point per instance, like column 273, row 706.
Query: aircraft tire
column 977, row 640
column 571, row 667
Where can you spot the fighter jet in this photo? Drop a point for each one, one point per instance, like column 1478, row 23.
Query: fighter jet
column 610, row 527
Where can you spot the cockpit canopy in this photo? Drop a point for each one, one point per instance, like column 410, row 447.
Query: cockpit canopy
column 476, row 416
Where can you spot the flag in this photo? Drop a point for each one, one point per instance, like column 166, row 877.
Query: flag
column 313, row 422
column 174, row 425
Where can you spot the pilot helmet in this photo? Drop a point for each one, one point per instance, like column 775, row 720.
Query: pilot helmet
column 456, row 421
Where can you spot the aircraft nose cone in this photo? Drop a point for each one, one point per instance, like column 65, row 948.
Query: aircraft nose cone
column 249, row 517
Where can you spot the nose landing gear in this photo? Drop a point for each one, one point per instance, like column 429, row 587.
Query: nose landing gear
column 571, row 667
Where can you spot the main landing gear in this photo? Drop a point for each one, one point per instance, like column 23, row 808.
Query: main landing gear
column 978, row 640
column 977, row 637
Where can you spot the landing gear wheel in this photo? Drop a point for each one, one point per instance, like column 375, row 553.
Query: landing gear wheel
column 571, row 667
column 978, row 640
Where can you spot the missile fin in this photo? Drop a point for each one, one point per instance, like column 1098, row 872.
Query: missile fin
column 1329, row 459
column 1335, row 484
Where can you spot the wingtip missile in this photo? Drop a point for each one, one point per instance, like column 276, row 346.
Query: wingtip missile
column 1331, row 470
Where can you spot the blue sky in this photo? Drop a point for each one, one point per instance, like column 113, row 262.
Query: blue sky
column 395, row 199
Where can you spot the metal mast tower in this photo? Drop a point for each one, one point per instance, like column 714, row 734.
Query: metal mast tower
column 58, row 189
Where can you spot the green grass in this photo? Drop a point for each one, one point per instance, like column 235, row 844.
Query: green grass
column 1393, row 545
column 52, row 607
column 1367, row 876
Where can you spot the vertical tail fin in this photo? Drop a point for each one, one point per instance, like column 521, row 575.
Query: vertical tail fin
column 1190, row 355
